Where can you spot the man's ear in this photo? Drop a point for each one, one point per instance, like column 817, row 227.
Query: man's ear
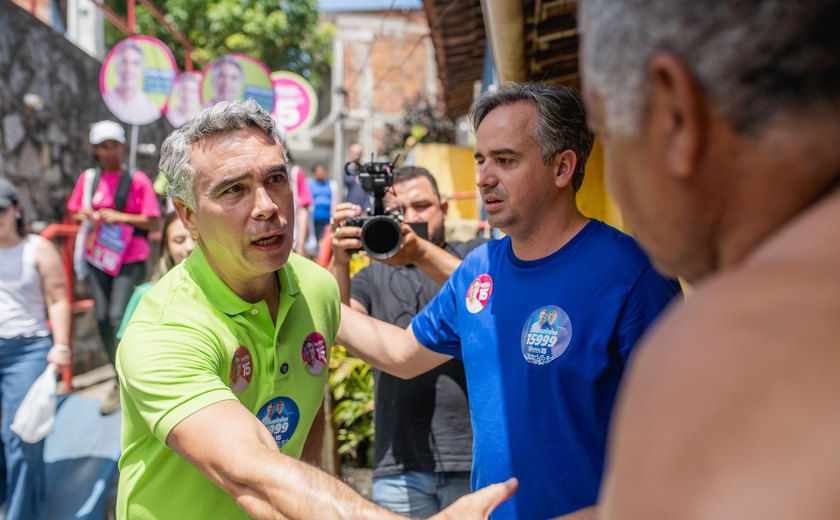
column 444, row 206
column 564, row 163
column 187, row 216
column 677, row 114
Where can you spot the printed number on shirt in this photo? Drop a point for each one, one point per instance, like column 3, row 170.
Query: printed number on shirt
column 546, row 339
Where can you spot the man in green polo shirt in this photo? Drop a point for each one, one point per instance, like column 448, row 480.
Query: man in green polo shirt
column 223, row 364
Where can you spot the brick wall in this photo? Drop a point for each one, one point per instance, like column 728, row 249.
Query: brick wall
column 388, row 59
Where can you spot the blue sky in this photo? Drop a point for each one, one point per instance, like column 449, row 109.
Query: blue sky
column 367, row 5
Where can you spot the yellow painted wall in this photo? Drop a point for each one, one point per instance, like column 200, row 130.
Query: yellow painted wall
column 592, row 198
column 454, row 168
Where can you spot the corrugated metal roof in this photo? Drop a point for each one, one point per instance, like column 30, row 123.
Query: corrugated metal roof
column 457, row 27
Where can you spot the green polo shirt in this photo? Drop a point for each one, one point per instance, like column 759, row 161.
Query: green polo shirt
column 193, row 342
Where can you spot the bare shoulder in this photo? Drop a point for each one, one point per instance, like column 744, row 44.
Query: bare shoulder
column 46, row 254
column 730, row 409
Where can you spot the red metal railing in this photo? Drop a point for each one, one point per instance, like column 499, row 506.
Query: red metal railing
column 67, row 234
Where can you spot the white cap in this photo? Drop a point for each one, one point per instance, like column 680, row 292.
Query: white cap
column 106, row 131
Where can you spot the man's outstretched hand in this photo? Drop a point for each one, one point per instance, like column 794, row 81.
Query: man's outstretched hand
column 480, row 504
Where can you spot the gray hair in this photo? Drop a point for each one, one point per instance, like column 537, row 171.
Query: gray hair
column 561, row 122
column 756, row 58
column 225, row 116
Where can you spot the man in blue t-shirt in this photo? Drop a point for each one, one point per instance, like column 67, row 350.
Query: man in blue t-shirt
column 354, row 191
column 322, row 191
column 540, row 397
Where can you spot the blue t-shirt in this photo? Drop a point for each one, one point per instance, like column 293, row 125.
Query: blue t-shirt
column 321, row 199
column 355, row 193
column 544, row 344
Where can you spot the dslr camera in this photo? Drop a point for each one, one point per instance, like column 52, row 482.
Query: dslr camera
column 381, row 234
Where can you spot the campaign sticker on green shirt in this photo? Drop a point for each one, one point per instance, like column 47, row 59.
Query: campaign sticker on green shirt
column 241, row 369
column 314, row 353
column 280, row 416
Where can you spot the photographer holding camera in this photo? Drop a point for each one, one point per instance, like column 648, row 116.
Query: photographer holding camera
column 423, row 440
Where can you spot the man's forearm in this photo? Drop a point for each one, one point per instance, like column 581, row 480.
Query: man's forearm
column 385, row 346
column 263, row 481
column 267, row 483
column 318, row 495
column 369, row 339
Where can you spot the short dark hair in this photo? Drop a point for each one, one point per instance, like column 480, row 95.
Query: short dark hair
column 406, row 173
column 561, row 122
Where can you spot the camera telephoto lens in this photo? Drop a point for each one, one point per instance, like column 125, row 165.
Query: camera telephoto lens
column 381, row 237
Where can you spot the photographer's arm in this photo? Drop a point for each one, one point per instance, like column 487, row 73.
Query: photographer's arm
column 385, row 346
column 344, row 238
column 433, row 260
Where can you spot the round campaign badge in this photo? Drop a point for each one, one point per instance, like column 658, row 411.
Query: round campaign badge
column 280, row 416
column 478, row 293
column 546, row 335
column 136, row 78
column 314, row 353
column 185, row 101
column 237, row 77
column 295, row 101
column 241, row 369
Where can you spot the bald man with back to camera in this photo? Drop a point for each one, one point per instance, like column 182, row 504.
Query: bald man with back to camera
column 719, row 121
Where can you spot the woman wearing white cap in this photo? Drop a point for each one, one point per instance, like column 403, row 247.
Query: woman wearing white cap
column 32, row 290
column 120, row 204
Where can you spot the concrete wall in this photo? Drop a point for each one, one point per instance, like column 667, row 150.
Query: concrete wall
column 43, row 150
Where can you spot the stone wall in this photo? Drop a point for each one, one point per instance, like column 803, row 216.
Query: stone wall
column 44, row 149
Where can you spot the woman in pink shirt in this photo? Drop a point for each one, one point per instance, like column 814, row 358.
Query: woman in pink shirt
column 140, row 210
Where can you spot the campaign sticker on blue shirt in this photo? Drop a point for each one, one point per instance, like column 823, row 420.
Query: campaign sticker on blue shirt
column 478, row 293
column 280, row 416
column 546, row 335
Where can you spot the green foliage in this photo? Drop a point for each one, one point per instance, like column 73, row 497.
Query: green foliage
column 284, row 34
column 351, row 384
column 423, row 121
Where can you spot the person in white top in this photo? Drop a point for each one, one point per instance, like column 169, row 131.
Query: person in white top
column 32, row 290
